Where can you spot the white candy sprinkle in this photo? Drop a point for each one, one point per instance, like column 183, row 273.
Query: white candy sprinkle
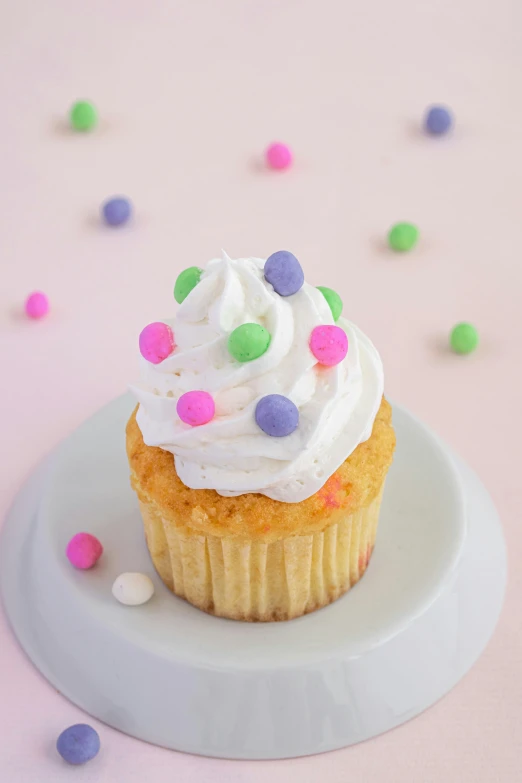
column 133, row 589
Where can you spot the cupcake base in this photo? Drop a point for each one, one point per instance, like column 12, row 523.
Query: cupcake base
column 250, row 557
column 257, row 581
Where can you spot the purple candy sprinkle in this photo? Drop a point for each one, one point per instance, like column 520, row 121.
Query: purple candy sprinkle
column 116, row 211
column 284, row 272
column 438, row 120
column 276, row 415
column 78, row 744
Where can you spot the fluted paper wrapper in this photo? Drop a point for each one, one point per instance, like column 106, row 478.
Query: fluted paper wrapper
column 256, row 581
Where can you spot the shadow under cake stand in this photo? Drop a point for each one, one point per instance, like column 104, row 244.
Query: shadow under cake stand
column 173, row 676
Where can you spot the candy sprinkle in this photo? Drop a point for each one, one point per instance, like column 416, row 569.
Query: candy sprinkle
column 284, row 273
column 278, row 156
column 334, row 301
column 83, row 116
column 186, row 281
column 248, row 342
column 438, row 120
column 116, row 211
column 36, row 305
column 403, row 237
column 78, row 744
column 83, row 551
column 133, row 589
column 196, row 408
column 329, row 344
column 464, row 338
column 276, row 415
column 156, row 342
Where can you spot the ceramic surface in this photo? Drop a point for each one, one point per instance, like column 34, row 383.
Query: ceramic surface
column 169, row 674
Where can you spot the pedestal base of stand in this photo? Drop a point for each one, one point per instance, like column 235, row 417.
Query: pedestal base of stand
column 173, row 676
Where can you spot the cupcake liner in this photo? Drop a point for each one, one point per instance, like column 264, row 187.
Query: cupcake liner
column 257, row 581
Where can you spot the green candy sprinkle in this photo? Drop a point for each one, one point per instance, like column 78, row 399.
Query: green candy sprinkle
column 403, row 237
column 334, row 300
column 187, row 280
column 248, row 342
column 83, row 116
column 464, row 338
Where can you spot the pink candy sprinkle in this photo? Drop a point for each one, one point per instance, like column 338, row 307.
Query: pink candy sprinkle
column 196, row 408
column 329, row 344
column 83, row 550
column 36, row 305
column 279, row 156
column 156, row 342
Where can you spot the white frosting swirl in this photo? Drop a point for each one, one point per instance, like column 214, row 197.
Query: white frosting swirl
column 231, row 454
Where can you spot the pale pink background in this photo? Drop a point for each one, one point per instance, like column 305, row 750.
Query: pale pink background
column 189, row 93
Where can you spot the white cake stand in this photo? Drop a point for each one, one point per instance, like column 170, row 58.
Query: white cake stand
column 171, row 675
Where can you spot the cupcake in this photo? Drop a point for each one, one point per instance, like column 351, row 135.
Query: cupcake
column 261, row 442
